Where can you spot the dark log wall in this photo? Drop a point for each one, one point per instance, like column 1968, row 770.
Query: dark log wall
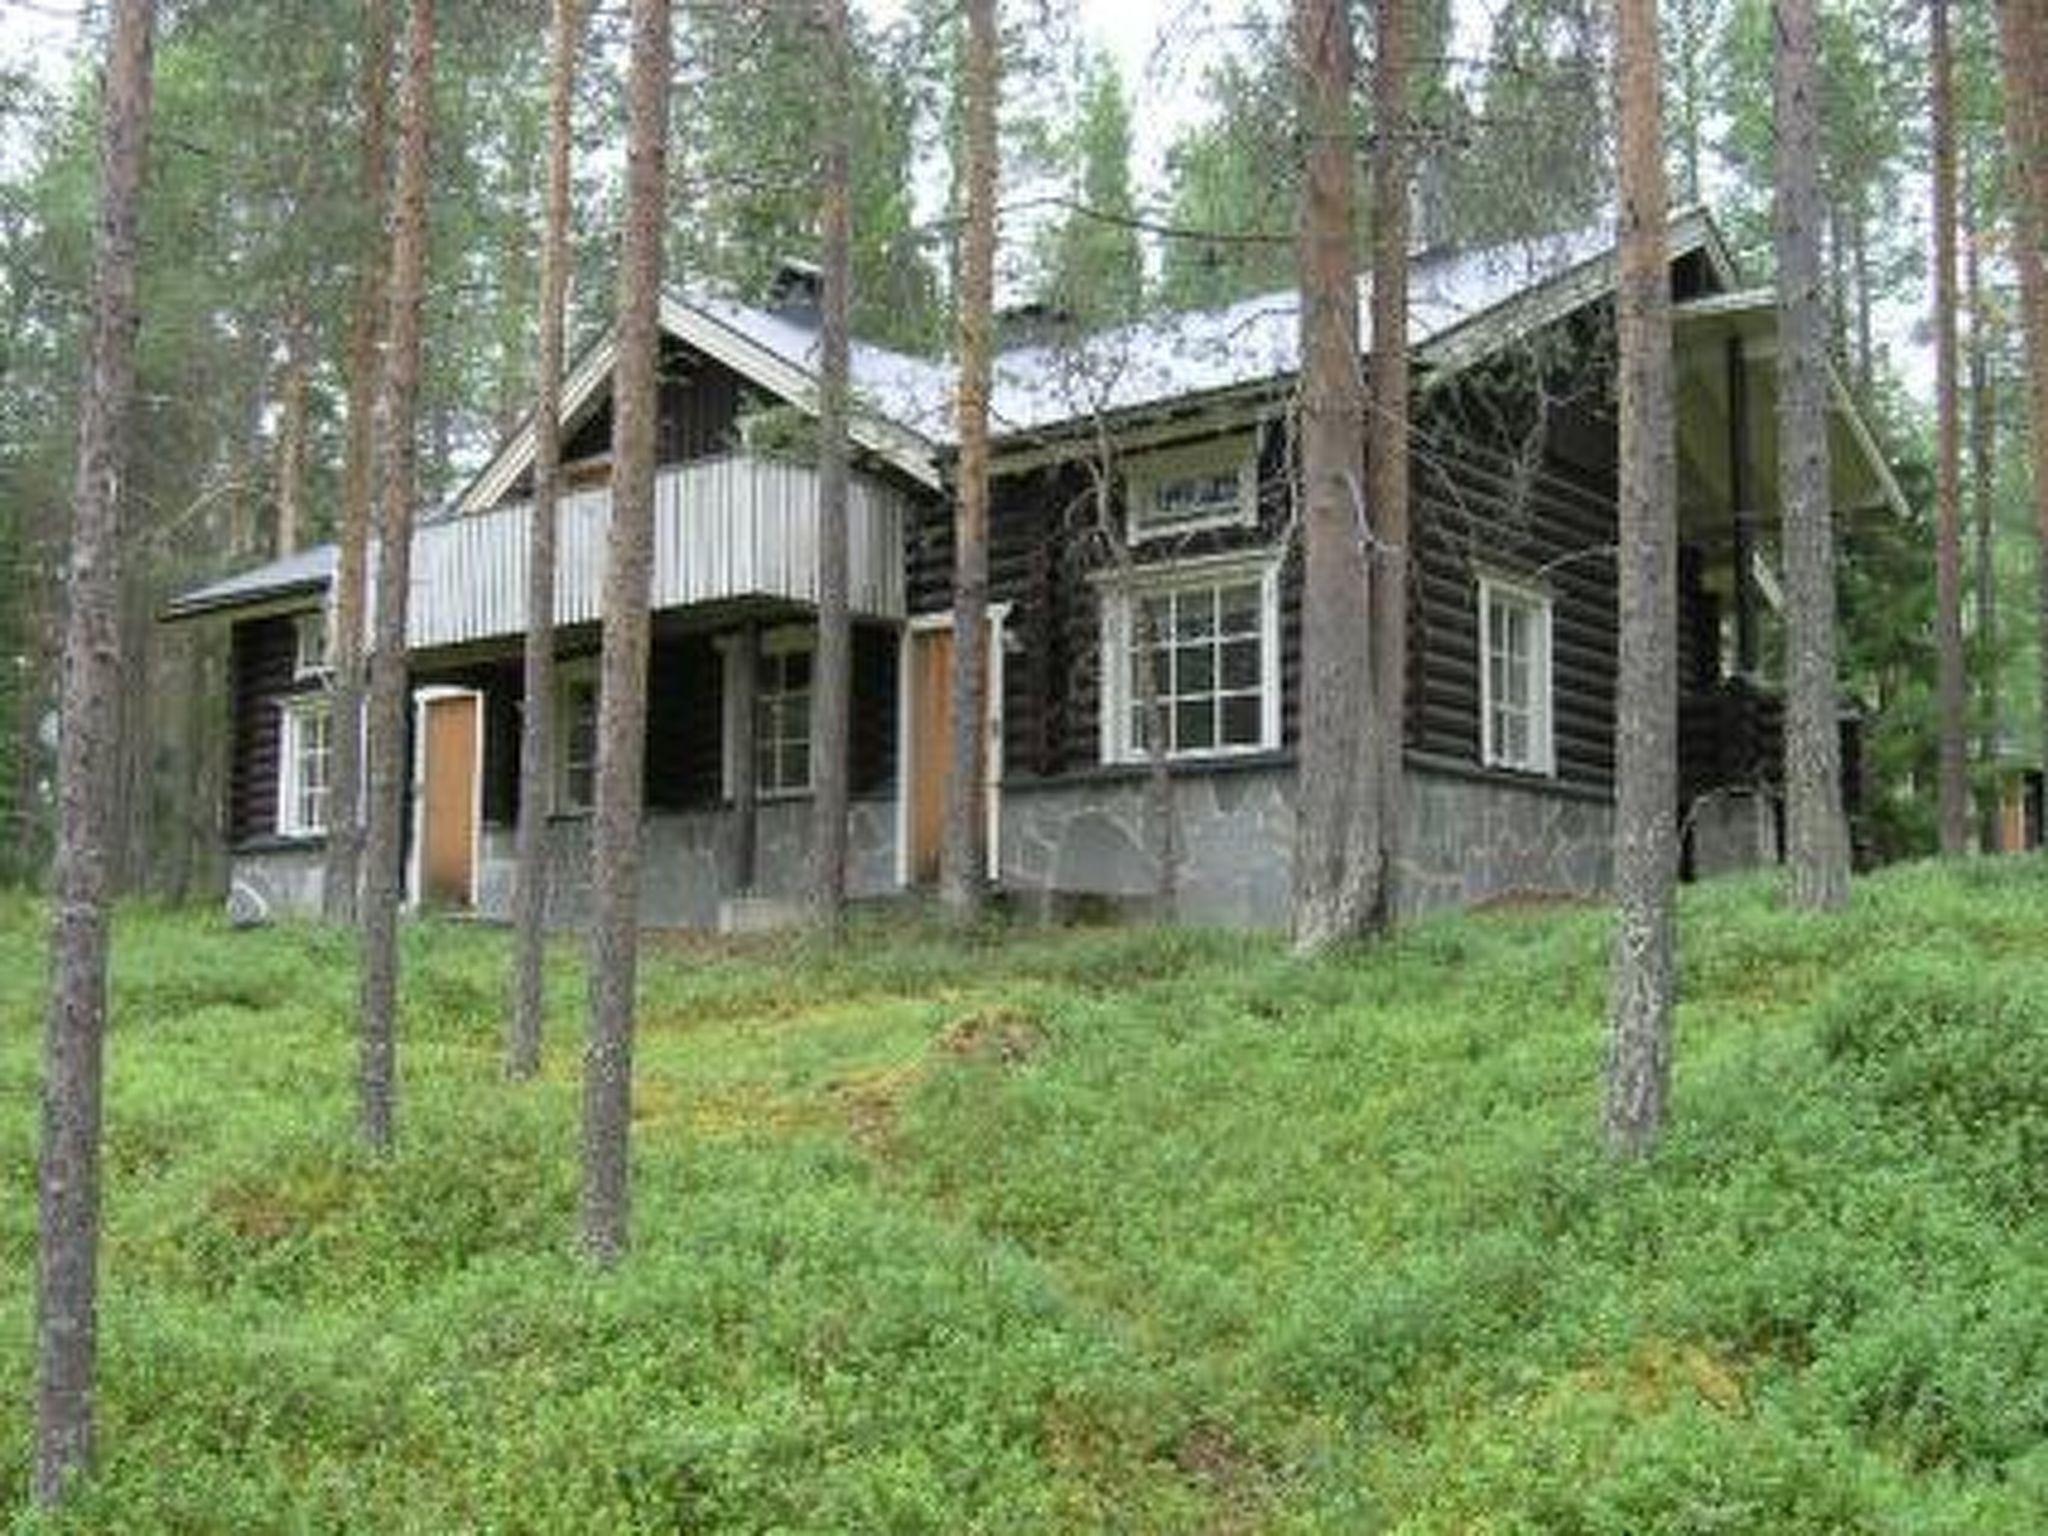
column 1045, row 543
column 685, row 720
column 1501, row 491
column 1501, row 486
column 701, row 401
column 262, row 652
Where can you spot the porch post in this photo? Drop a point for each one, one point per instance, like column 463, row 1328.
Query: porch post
column 1743, row 510
column 745, row 782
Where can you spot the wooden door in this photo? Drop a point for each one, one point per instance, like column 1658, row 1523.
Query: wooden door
column 448, row 836
column 931, row 743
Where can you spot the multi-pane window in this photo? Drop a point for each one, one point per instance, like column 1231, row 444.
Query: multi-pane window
column 782, row 715
column 1195, row 658
column 576, row 741
column 1180, row 490
column 1514, row 708
column 306, row 761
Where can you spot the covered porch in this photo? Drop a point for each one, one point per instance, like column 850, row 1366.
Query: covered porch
column 1731, row 700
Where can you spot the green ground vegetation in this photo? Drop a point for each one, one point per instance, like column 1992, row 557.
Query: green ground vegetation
column 1093, row 1229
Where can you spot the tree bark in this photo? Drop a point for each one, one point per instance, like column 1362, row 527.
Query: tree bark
column 833, row 679
column 622, row 708
column 1337, row 842
column 963, row 854
column 536, row 731
column 1983, row 500
column 1646, row 724
column 68, row 1173
column 292, row 428
column 2023, row 42
column 1386, row 454
column 398, row 458
column 1954, row 792
column 1816, row 830
column 341, row 882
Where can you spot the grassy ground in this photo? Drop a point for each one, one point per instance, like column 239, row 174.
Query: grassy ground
column 1093, row 1230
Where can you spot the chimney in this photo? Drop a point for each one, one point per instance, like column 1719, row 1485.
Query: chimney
column 793, row 293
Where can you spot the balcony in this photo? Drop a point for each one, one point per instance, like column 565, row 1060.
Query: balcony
column 724, row 528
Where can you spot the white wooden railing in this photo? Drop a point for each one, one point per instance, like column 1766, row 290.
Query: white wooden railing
column 723, row 528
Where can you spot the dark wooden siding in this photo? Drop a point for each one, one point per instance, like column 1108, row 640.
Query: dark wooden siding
column 1044, row 547
column 701, row 402
column 1495, row 490
column 685, row 720
column 262, row 652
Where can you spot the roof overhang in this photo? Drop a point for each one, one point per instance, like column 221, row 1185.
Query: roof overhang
column 584, row 388
column 1705, row 332
column 282, row 586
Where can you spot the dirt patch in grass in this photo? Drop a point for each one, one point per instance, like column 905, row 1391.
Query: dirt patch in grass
column 1658, row 1371
column 997, row 1035
column 1212, row 1458
column 871, row 1100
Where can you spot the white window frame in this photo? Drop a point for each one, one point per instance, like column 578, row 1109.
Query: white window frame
column 1159, row 467
column 570, row 675
column 1118, row 599
column 1538, row 603
column 295, row 718
column 310, row 657
column 782, row 640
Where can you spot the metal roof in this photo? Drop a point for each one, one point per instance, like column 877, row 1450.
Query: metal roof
column 305, row 573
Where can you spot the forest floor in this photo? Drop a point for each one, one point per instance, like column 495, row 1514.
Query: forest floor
column 1093, row 1229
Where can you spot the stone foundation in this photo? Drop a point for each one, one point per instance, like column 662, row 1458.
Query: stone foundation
column 685, row 869
column 1733, row 829
column 281, row 881
column 1468, row 839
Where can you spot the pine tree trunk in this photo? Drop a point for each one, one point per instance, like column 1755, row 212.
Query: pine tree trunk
column 622, row 709
column 963, row 854
column 291, row 430
column 833, row 680
column 1816, row 831
column 68, row 1173
column 398, row 457
column 1954, row 792
column 2023, row 62
column 1386, row 454
column 1983, row 500
column 1646, row 699
column 341, row 881
column 1866, row 345
column 536, row 731
column 1337, row 840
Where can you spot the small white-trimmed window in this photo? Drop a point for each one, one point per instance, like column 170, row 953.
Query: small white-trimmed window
column 1514, row 677
column 1212, row 484
column 1196, row 649
column 782, row 710
column 305, row 766
column 309, row 644
column 576, row 737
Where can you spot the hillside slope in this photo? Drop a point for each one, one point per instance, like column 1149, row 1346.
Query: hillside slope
column 1087, row 1230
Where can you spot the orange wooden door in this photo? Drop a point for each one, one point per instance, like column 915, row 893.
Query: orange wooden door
column 931, row 747
column 448, row 838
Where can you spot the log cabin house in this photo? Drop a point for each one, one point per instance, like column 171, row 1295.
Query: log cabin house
column 1142, row 471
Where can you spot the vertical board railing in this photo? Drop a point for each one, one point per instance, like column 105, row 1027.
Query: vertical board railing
column 723, row 528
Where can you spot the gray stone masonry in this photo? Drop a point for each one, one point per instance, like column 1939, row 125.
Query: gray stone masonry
column 1468, row 839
